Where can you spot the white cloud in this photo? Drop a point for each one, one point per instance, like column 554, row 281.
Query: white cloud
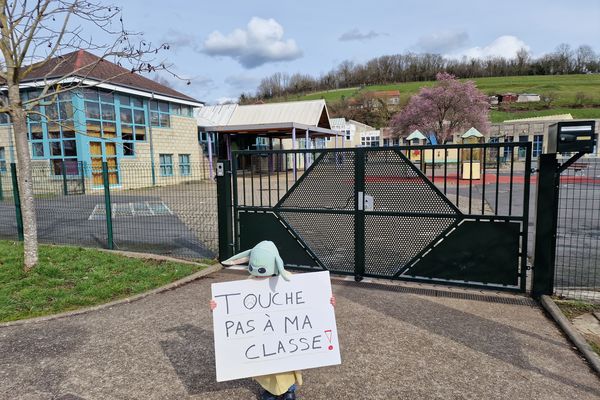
column 443, row 41
column 355, row 34
column 259, row 43
column 505, row 46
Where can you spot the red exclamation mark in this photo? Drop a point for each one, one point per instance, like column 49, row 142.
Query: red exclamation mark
column 328, row 334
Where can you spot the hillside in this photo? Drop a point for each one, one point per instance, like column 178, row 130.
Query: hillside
column 575, row 94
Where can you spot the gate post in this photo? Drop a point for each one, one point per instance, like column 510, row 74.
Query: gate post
column 107, row 206
column 359, row 214
column 17, row 197
column 545, row 226
column 64, row 178
column 224, row 209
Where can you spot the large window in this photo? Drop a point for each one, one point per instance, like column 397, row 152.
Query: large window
column 537, row 145
column 100, row 114
column 2, row 160
column 369, row 141
column 180, row 109
column 52, row 132
column 184, row 165
column 159, row 114
column 133, row 123
column 166, row 164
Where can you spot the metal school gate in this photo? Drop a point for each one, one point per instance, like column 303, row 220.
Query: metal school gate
column 453, row 214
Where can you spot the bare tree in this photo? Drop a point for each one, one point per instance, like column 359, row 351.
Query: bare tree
column 34, row 36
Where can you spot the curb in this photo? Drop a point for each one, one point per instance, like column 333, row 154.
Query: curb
column 569, row 330
column 173, row 285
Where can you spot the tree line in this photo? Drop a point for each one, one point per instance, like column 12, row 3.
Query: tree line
column 411, row 67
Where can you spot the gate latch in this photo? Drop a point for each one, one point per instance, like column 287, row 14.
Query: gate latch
column 220, row 169
column 365, row 202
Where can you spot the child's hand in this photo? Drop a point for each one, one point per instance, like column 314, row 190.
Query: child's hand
column 332, row 300
column 212, row 304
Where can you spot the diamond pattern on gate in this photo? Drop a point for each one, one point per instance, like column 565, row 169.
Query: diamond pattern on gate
column 328, row 184
column 329, row 236
column 391, row 242
column 396, row 185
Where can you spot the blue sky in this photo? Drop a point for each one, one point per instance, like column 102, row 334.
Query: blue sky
column 227, row 46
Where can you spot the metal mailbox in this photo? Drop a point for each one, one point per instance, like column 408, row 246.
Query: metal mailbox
column 571, row 136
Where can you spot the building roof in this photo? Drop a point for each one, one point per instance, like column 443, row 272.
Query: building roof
column 303, row 112
column 416, row 135
column 84, row 65
column 276, row 117
column 558, row 117
column 472, row 133
column 215, row 115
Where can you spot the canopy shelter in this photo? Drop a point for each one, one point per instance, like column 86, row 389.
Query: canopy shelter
column 472, row 133
column 416, row 135
column 235, row 124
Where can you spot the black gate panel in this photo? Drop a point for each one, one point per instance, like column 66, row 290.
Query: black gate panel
column 329, row 236
column 258, row 226
column 471, row 253
column 446, row 214
column 392, row 242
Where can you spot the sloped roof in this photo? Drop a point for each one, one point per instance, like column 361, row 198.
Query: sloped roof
column 416, row 135
column 472, row 133
column 302, row 112
column 311, row 113
column 83, row 64
column 215, row 115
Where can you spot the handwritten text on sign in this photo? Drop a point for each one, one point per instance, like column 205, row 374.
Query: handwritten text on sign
column 265, row 326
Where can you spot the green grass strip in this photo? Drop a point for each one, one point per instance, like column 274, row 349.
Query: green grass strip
column 68, row 278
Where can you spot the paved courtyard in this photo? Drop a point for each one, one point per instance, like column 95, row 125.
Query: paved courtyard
column 397, row 342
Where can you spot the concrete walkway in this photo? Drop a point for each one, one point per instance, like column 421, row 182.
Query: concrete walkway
column 396, row 344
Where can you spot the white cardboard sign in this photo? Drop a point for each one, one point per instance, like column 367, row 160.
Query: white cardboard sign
column 266, row 326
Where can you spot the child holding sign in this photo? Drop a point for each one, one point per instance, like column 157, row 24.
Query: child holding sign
column 264, row 261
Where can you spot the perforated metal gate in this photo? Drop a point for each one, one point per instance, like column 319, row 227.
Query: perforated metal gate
column 401, row 213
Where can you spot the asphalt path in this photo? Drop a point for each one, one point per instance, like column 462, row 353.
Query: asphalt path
column 396, row 342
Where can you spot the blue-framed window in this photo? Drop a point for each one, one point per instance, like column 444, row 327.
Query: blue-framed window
column 182, row 110
column 184, row 165
column 2, row 160
column 133, row 123
column 52, row 132
column 538, row 140
column 100, row 116
column 165, row 164
column 159, row 114
column 4, row 119
column 523, row 150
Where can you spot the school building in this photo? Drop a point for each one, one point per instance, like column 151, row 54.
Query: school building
column 112, row 115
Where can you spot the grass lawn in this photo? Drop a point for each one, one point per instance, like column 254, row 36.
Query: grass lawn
column 564, row 88
column 69, row 278
column 573, row 309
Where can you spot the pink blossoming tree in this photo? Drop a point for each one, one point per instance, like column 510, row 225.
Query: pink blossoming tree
column 444, row 109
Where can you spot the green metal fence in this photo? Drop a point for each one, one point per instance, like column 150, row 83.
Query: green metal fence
column 577, row 270
column 133, row 206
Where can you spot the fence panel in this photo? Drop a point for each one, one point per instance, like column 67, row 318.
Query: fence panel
column 577, row 270
column 169, row 212
column 8, row 219
column 176, row 216
column 63, row 213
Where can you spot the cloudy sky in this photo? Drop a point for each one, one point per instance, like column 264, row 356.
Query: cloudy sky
column 227, row 46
